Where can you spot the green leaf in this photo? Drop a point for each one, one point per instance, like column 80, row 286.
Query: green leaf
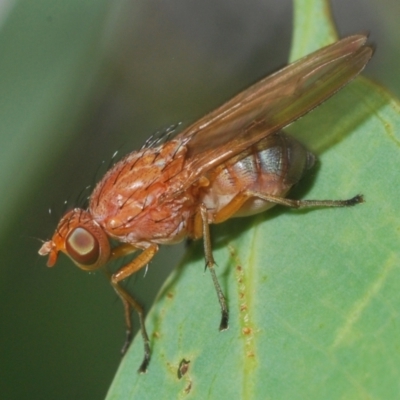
column 314, row 296
column 313, row 27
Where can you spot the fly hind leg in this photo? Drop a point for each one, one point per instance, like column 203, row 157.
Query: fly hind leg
column 201, row 228
column 236, row 204
column 307, row 203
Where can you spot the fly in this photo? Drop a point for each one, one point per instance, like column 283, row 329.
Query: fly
column 236, row 161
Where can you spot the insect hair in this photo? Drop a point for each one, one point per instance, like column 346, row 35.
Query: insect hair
column 161, row 136
column 82, row 200
column 55, row 213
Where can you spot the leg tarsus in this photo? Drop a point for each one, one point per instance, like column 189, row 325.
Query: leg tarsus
column 224, row 324
column 145, row 363
column 128, row 323
column 355, row 200
column 128, row 340
column 129, row 302
column 308, row 203
column 210, row 263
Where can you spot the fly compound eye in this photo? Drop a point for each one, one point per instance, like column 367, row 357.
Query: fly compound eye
column 82, row 246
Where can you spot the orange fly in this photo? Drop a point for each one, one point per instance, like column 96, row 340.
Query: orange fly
column 233, row 162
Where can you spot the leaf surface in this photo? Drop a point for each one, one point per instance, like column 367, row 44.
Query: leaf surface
column 313, row 295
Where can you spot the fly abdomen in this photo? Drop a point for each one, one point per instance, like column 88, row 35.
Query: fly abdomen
column 283, row 157
column 271, row 166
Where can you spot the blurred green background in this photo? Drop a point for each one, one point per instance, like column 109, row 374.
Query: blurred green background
column 80, row 80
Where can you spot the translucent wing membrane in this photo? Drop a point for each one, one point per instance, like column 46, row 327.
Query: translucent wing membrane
column 272, row 104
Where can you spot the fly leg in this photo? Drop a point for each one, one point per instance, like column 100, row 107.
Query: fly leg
column 129, row 302
column 238, row 201
column 307, row 203
column 202, row 229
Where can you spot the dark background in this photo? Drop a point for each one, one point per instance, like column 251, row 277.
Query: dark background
column 79, row 81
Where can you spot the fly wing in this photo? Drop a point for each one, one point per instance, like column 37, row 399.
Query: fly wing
column 271, row 104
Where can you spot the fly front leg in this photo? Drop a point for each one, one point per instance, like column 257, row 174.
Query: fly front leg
column 137, row 263
column 210, row 263
column 129, row 302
